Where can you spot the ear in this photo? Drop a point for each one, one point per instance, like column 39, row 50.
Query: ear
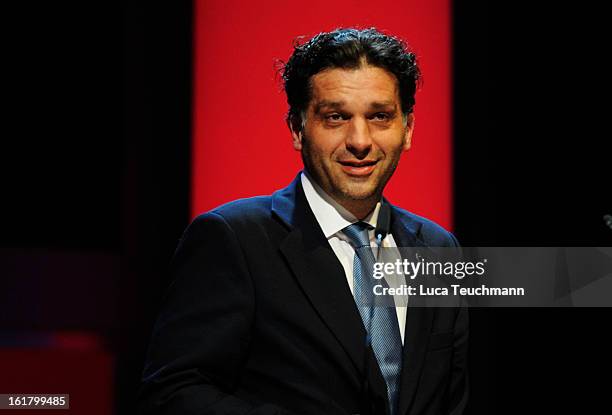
column 408, row 131
column 295, row 126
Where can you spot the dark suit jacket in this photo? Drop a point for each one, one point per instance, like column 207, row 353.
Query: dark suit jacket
column 259, row 319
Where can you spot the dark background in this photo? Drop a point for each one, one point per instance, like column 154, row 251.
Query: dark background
column 96, row 172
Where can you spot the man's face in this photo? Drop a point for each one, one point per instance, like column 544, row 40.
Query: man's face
column 354, row 132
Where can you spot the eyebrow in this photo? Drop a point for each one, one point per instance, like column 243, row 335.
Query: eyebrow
column 382, row 105
column 328, row 104
column 339, row 104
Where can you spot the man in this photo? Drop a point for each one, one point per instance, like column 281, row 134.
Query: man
column 261, row 316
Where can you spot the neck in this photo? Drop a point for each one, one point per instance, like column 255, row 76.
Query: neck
column 360, row 208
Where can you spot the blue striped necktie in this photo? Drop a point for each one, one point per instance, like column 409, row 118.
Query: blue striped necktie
column 380, row 321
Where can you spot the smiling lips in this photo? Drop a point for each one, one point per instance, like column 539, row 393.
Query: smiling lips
column 359, row 168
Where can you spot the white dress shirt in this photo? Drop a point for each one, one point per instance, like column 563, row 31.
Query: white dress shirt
column 332, row 218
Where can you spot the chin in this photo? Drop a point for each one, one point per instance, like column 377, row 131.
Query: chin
column 360, row 194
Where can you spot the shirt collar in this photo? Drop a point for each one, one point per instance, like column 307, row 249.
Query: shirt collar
column 332, row 216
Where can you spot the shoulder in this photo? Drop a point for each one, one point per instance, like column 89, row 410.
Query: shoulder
column 425, row 230
column 245, row 210
column 237, row 214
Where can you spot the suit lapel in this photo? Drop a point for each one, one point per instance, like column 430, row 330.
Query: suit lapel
column 418, row 327
column 418, row 318
column 322, row 279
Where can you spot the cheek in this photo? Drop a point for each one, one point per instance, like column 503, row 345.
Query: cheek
column 324, row 149
column 315, row 153
column 325, row 141
column 393, row 145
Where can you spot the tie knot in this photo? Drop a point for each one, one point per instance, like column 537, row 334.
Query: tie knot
column 358, row 234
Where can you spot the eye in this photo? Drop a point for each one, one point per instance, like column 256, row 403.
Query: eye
column 334, row 117
column 381, row 116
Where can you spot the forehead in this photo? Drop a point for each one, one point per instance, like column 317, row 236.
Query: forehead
column 365, row 85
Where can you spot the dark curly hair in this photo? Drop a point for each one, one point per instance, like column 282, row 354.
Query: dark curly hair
column 347, row 48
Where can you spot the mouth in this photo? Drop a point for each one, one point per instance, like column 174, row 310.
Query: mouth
column 358, row 168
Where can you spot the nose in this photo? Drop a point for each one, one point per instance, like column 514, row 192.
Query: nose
column 358, row 138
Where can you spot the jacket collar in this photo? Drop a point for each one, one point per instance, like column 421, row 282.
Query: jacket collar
column 291, row 207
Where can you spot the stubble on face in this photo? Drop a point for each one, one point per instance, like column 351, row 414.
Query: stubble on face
column 344, row 188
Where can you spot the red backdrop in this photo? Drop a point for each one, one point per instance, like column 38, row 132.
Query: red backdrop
column 241, row 145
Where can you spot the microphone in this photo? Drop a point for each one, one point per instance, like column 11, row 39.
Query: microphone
column 608, row 220
column 383, row 223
